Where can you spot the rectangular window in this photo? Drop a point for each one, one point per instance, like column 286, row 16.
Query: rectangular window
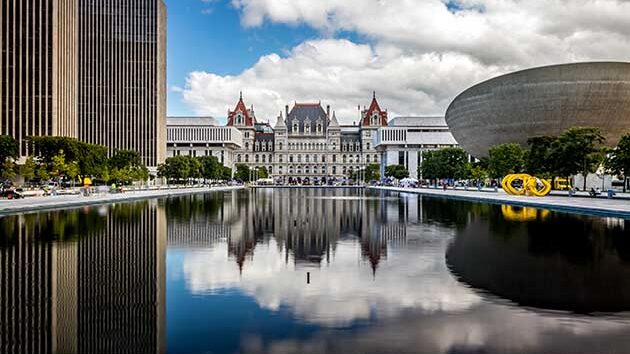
column 401, row 157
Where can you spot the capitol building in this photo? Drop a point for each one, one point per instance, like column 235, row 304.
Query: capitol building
column 308, row 141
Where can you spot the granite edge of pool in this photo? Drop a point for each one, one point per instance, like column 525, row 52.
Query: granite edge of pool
column 536, row 203
column 115, row 198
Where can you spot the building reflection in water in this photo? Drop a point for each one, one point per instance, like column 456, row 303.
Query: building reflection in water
column 306, row 224
column 83, row 280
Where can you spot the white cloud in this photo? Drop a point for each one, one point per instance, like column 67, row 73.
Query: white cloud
column 340, row 292
column 420, row 54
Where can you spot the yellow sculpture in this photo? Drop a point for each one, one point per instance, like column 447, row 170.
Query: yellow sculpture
column 512, row 213
column 524, row 184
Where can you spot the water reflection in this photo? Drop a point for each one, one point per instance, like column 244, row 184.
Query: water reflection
column 574, row 263
column 83, row 281
column 379, row 275
column 389, row 272
column 266, row 243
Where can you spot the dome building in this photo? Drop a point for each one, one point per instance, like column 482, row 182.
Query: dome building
column 542, row 101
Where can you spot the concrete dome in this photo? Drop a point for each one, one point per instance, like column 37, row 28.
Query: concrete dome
column 542, row 101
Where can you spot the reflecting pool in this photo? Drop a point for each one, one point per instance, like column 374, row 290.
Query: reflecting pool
column 313, row 271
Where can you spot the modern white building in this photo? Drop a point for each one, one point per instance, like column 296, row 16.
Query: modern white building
column 405, row 139
column 202, row 136
column 307, row 141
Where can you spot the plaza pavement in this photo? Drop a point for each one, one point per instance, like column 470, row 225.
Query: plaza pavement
column 31, row 204
column 618, row 207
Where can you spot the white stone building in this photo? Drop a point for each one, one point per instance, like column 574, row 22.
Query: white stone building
column 307, row 140
column 405, row 139
column 202, row 136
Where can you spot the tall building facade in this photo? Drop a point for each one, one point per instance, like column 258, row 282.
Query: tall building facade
column 88, row 69
column 38, row 69
column 307, row 141
column 122, row 75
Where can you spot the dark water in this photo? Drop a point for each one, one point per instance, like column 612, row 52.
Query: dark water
column 313, row 271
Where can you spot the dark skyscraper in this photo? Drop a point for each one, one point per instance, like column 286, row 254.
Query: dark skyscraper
column 88, row 69
column 122, row 75
column 38, row 62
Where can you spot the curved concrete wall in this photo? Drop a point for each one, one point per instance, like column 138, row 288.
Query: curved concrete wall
column 542, row 101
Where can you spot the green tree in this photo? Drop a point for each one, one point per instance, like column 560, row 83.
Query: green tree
column 139, row 173
column 27, row 170
column 396, row 171
column 126, row 166
column 194, row 167
column 372, row 172
column 124, row 158
column 505, row 159
column 242, row 172
column 478, row 173
column 72, row 171
column 262, row 172
column 578, row 150
column 42, row 173
column 179, row 168
column 445, row 163
column 8, row 169
column 210, row 167
column 538, row 161
column 618, row 161
column 226, row 173
column 93, row 162
column 9, row 149
column 58, row 165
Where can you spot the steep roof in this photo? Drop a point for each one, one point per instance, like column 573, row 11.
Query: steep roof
column 303, row 112
column 250, row 120
column 374, row 107
column 280, row 122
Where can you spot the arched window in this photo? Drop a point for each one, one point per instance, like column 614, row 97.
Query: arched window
column 246, row 146
column 256, row 158
column 280, row 146
column 264, row 158
column 295, row 127
column 246, row 158
column 375, row 119
column 238, row 158
column 319, row 127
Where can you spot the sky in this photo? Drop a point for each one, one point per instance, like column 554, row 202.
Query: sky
column 416, row 54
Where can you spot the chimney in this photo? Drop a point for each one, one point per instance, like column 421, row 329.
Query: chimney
column 286, row 109
column 328, row 111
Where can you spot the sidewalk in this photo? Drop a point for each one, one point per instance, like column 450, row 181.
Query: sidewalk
column 68, row 201
column 619, row 207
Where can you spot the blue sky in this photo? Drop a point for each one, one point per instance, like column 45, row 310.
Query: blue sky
column 416, row 54
column 209, row 37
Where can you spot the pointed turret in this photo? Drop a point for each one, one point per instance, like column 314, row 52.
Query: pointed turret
column 280, row 123
column 334, row 123
column 367, row 116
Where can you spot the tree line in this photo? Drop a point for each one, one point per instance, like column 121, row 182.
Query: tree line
column 575, row 151
column 68, row 159
column 186, row 169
